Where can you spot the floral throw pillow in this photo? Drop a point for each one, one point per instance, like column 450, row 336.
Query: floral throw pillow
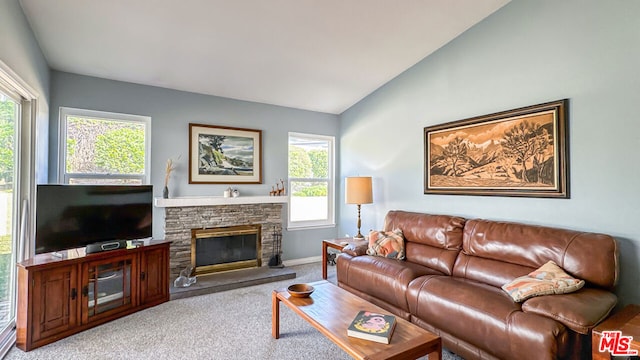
column 389, row 244
column 548, row 279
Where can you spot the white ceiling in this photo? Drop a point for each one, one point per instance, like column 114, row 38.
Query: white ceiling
column 321, row 55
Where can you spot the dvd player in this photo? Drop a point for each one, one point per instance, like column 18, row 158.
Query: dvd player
column 106, row 246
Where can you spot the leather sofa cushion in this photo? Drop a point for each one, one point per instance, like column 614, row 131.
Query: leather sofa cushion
column 402, row 313
column 430, row 240
column 579, row 311
column 485, row 316
column 382, row 278
column 513, row 250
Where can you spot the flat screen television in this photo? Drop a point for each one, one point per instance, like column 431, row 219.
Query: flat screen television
column 73, row 216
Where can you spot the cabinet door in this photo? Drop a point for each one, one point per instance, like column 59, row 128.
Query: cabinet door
column 154, row 281
column 54, row 301
column 107, row 287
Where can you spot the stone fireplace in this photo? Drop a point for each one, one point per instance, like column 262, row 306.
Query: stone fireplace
column 184, row 215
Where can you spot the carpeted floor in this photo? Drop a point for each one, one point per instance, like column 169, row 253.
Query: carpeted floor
column 234, row 324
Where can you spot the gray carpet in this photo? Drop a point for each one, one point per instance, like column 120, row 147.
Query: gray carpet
column 234, row 324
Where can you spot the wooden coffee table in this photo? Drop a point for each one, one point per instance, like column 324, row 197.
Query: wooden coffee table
column 331, row 309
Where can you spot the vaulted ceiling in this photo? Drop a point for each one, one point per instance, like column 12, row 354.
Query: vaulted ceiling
column 320, row 55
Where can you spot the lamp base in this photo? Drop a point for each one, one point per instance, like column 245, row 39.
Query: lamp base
column 359, row 235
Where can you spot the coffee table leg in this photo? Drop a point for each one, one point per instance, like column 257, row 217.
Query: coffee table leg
column 275, row 315
column 436, row 355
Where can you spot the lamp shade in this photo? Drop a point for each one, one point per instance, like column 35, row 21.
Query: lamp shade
column 358, row 190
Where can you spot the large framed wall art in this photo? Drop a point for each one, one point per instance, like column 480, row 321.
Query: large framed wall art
column 520, row 152
column 224, row 155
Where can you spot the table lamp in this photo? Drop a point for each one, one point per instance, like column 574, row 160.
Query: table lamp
column 358, row 191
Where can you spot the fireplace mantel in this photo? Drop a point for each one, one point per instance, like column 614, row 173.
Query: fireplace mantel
column 186, row 201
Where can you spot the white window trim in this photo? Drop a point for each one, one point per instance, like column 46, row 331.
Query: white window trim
column 63, row 176
column 331, row 189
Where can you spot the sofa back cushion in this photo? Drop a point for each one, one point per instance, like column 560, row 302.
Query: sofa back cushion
column 496, row 252
column 433, row 241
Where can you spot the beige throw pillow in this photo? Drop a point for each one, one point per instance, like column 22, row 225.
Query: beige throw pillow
column 548, row 279
column 389, row 244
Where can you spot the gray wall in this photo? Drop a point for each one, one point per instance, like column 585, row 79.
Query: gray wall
column 19, row 50
column 528, row 52
column 171, row 112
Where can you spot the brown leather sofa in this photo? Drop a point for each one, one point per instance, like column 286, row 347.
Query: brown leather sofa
column 450, row 283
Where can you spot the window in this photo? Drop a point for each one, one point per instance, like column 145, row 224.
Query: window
column 9, row 125
column 311, row 185
column 104, row 148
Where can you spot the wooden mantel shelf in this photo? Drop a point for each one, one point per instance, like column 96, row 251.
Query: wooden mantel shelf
column 185, row 201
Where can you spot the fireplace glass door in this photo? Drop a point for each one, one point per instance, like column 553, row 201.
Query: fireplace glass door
column 225, row 248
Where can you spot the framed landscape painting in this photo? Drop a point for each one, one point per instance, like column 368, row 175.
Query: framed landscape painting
column 521, row 152
column 224, row 155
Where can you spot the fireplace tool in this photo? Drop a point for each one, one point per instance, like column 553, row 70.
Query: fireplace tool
column 276, row 261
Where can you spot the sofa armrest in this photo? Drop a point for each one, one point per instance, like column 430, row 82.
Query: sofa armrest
column 356, row 249
column 580, row 311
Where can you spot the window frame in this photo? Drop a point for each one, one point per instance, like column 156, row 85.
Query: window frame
column 330, row 180
column 65, row 112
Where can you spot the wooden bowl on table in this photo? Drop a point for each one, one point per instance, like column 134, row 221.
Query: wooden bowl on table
column 300, row 290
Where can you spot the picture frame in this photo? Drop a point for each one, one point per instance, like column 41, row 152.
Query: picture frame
column 224, row 155
column 521, row 152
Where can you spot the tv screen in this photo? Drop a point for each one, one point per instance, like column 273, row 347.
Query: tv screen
column 72, row 216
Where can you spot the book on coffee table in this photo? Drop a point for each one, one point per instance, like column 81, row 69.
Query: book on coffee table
column 372, row 326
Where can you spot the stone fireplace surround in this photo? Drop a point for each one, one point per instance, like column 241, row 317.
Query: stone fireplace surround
column 184, row 214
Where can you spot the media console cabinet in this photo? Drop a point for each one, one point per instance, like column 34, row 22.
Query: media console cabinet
column 61, row 296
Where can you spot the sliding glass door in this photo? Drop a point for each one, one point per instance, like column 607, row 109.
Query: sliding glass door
column 9, row 119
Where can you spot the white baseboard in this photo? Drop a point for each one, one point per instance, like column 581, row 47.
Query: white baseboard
column 302, row 261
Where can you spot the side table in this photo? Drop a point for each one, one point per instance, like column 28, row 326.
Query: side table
column 337, row 244
column 625, row 339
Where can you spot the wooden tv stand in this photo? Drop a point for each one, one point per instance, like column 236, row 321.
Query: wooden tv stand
column 61, row 296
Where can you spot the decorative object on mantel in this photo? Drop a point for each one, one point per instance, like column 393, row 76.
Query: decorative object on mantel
column 278, row 191
column 520, row 152
column 358, row 191
column 224, row 155
column 229, row 192
column 276, row 260
column 185, row 279
column 167, row 173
